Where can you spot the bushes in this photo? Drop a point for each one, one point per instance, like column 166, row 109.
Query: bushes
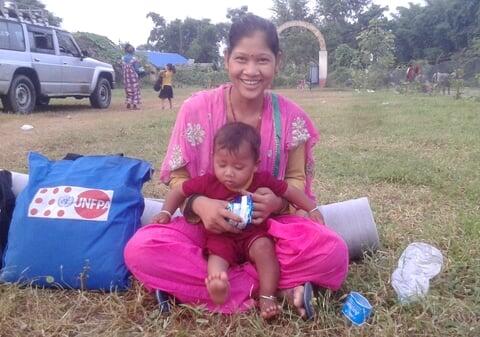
column 290, row 75
column 200, row 76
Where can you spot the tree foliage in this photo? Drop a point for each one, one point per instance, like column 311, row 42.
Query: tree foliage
column 437, row 30
column 376, row 45
column 100, row 48
column 288, row 10
column 35, row 4
column 299, row 46
column 192, row 38
column 233, row 14
column 359, row 38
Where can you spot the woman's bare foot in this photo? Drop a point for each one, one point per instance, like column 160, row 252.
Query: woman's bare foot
column 294, row 296
column 269, row 307
column 218, row 287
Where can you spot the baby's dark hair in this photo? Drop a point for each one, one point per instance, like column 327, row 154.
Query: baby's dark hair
column 249, row 24
column 232, row 135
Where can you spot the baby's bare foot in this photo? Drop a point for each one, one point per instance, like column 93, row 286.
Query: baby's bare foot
column 269, row 307
column 218, row 287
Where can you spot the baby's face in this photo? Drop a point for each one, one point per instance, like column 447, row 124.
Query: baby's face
column 234, row 170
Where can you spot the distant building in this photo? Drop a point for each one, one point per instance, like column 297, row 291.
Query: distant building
column 160, row 60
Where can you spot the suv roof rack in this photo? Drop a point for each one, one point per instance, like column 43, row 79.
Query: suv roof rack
column 10, row 10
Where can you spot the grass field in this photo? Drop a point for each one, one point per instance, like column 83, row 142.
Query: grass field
column 417, row 158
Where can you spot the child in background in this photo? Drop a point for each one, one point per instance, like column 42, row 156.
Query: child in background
column 167, row 85
column 235, row 161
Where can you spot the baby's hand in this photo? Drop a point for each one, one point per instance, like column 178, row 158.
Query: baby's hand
column 161, row 218
column 317, row 217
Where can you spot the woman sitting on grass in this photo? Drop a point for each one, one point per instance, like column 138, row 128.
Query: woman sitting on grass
column 169, row 257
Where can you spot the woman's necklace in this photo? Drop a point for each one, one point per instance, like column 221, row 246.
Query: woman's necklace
column 259, row 121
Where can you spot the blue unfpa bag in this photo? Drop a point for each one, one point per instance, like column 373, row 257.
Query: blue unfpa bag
column 72, row 221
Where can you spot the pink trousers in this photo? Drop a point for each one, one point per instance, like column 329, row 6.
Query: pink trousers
column 169, row 257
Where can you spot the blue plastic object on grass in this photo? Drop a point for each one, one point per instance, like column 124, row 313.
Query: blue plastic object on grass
column 357, row 308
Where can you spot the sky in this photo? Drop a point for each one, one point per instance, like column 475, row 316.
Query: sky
column 125, row 20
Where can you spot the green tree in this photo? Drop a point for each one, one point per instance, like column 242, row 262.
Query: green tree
column 35, row 4
column 299, row 45
column 342, row 20
column 234, row 14
column 287, row 10
column 157, row 34
column 436, row 30
column 341, row 11
column 346, row 56
column 196, row 39
column 377, row 45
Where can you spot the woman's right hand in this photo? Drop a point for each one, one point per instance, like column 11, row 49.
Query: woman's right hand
column 214, row 215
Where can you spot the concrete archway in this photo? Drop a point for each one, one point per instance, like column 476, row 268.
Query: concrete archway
column 322, row 54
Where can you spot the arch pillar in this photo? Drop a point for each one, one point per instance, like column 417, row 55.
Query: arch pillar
column 322, row 54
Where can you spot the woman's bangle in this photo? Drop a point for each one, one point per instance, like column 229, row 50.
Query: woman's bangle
column 317, row 208
column 187, row 210
column 164, row 211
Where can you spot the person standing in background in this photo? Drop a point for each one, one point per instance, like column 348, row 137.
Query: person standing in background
column 167, row 89
column 131, row 82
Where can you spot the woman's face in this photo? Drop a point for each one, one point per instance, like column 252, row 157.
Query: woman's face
column 234, row 170
column 251, row 66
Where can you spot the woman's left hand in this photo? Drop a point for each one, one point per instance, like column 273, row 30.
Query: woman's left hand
column 265, row 202
column 317, row 216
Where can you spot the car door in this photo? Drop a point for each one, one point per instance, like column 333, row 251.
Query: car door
column 12, row 52
column 76, row 72
column 45, row 60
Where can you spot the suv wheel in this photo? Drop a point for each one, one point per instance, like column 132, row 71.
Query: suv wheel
column 102, row 95
column 21, row 97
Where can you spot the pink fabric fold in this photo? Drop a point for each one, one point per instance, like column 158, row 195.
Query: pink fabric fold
column 169, row 257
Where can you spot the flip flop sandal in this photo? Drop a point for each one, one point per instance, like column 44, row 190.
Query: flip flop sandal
column 307, row 301
column 163, row 301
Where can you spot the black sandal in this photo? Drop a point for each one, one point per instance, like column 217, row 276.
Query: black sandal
column 163, row 301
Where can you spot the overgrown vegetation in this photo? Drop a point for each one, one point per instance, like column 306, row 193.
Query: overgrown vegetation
column 415, row 157
column 366, row 49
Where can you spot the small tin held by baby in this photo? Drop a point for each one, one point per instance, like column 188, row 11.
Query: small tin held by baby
column 243, row 207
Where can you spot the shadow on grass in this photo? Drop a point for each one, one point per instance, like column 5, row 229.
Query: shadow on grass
column 60, row 108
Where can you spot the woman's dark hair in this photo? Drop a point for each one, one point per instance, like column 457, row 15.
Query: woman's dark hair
column 232, row 135
column 171, row 67
column 129, row 48
column 249, row 24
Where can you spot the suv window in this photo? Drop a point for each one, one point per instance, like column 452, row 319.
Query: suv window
column 41, row 41
column 11, row 36
column 66, row 45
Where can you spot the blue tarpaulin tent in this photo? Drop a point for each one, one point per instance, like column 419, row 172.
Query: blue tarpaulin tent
column 159, row 59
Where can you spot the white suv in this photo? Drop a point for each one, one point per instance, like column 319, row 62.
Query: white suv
column 39, row 62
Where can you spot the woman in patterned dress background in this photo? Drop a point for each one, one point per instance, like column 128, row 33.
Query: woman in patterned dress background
column 131, row 81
